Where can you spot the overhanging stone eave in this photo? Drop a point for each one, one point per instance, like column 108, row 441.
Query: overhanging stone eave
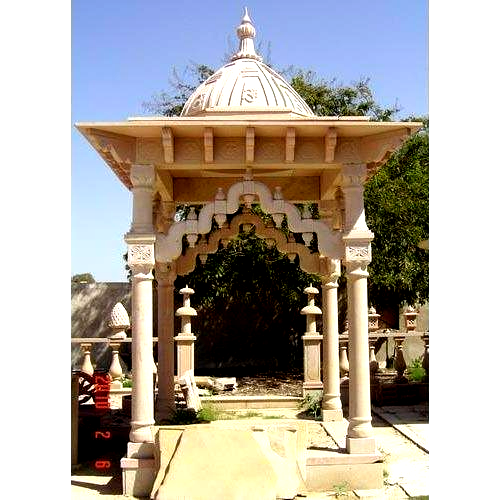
column 152, row 126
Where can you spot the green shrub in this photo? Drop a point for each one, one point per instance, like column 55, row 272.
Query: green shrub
column 415, row 370
column 126, row 382
column 311, row 403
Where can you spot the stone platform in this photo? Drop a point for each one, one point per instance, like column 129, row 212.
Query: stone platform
column 404, row 466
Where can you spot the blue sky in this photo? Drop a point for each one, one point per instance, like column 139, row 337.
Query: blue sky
column 123, row 52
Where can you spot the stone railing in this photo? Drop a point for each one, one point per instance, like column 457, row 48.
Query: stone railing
column 398, row 337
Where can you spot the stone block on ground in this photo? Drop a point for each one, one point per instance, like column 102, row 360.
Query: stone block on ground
column 225, row 384
column 190, row 391
column 228, row 463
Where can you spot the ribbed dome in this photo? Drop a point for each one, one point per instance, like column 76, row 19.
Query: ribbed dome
column 245, row 86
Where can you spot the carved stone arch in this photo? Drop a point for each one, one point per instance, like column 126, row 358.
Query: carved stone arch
column 168, row 246
column 309, row 262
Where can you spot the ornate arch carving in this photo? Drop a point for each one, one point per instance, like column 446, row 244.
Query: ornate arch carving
column 169, row 246
column 309, row 262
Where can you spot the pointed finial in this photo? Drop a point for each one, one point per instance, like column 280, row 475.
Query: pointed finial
column 246, row 34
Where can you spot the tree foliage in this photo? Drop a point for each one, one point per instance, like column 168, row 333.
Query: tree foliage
column 248, row 298
column 336, row 99
column 397, row 211
column 82, row 278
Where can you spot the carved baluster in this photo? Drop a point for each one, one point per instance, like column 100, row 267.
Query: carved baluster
column 343, row 359
column 373, row 327
column 115, row 369
column 86, row 364
column 399, row 361
column 425, row 361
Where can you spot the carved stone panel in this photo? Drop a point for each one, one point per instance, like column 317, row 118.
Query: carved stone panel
column 358, row 253
column 348, row 150
column 229, row 149
column 189, row 150
column 149, row 151
column 269, row 150
column 309, row 150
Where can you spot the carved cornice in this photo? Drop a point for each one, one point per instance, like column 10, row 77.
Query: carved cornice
column 375, row 148
column 117, row 150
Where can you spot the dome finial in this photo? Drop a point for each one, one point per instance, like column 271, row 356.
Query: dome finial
column 246, row 34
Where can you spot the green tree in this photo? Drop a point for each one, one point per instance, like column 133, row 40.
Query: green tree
column 82, row 278
column 397, row 211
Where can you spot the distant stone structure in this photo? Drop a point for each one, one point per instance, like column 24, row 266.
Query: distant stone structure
column 91, row 306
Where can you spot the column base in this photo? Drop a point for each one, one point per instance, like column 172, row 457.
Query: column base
column 361, row 445
column 138, row 470
column 332, row 415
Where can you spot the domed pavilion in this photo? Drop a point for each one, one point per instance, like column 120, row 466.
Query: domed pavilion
column 245, row 136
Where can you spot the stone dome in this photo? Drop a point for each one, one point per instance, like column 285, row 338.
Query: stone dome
column 245, row 86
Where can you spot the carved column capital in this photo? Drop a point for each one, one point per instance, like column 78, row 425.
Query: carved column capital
column 165, row 273
column 330, row 270
column 140, row 255
column 142, row 176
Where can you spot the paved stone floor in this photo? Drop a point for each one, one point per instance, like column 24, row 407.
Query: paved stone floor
column 402, row 437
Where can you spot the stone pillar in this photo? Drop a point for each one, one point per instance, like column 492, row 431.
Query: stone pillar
column 140, row 241
column 312, row 345
column 165, row 403
column 332, row 404
column 357, row 257
column 185, row 340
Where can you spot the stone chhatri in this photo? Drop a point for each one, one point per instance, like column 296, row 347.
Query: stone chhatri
column 246, row 86
column 245, row 116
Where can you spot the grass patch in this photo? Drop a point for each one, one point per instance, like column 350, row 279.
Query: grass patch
column 415, row 370
column 210, row 413
column 340, row 490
